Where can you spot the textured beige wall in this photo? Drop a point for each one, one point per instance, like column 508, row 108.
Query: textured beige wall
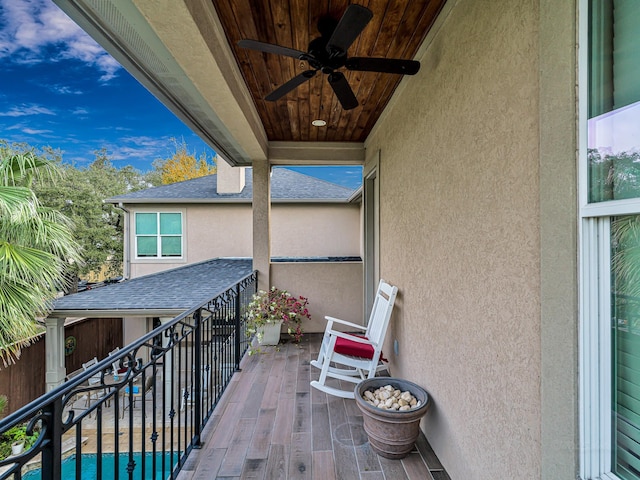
column 261, row 249
column 225, row 230
column 133, row 328
column 332, row 289
column 459, row 236
column 299, row 230
column 558, row 240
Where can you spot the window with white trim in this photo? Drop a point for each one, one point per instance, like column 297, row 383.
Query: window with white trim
column 610, row 238
column 158, row 234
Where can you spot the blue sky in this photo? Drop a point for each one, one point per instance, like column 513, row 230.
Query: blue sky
column 59, row 88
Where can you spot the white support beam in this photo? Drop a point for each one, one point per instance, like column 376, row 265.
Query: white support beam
column 316, row 153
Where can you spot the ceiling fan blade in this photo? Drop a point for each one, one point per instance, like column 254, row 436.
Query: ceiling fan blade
column 342, row 90
column 271, row 48
column 355, row 18
column 383, row 65
column 285, row 88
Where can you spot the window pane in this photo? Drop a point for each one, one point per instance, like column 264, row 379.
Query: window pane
column 146, row 223
column 625, row 305
column 170, row 224
column 171, row 246
column 147, row 246
column 614, row 100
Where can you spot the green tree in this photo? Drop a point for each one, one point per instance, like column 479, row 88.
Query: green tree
column 36, row 248
column 182, row 166
column 80, row 195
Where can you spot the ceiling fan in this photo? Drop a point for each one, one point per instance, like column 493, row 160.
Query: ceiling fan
column 328, row 53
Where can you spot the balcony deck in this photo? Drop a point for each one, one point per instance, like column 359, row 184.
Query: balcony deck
column 270, row 424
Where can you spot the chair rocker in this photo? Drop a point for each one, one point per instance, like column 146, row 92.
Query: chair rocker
column 355, row 357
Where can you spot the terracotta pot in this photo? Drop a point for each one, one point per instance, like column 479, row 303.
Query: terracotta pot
column 392, row 434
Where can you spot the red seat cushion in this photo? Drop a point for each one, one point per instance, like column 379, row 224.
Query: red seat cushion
column 354, row 349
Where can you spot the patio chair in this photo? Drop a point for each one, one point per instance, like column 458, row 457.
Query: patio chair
column 137, row 394
column 94, row 378
column 355, row 357
column 115, row 366
column 187, row 393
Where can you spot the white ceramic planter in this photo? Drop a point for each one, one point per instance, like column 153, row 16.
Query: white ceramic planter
column 270, row 334
column 16, row 448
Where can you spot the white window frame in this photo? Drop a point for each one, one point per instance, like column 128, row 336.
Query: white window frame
column 159, row 256
column 595, row 362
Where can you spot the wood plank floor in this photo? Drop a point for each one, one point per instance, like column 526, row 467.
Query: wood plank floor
column 270, row 424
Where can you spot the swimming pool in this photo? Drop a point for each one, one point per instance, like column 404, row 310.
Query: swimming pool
column 90, row 466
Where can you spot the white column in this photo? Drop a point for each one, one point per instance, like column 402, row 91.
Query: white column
column 54, row 352
column 168, row 366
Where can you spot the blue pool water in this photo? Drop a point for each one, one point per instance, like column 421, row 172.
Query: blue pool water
column 90, row 466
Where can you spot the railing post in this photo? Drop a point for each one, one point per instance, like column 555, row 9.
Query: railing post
column 237, row 328
column 197, row 393
column 52, row 444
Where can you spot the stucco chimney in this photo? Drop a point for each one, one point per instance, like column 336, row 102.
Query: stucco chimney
column 230, row 179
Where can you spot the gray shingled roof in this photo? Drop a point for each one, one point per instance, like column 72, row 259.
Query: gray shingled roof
column 172, row 290
column 285, row 185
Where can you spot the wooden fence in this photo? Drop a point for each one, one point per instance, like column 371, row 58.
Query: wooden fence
column 25, row 381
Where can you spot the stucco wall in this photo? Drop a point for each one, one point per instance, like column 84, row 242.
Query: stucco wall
column 225, row 230
column 459, row 236
column 333, row 288
column 558, row 240
column 299, row 230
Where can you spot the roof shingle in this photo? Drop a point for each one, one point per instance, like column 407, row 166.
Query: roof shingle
column 177, row 289
column 285, row 185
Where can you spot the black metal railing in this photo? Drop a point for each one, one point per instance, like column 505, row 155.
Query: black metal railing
column 138, row 413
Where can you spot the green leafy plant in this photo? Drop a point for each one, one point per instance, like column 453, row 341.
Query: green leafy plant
column 268, row 308
column 37, row 248
column 16, row 434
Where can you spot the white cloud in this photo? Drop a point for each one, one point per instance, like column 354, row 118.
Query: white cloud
column 139, row 147
column 30, row 30
column 33, row 131
column 64, row 90
column 24, row 110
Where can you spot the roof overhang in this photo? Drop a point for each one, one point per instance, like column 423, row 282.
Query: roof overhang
column 191, row 71
column 181, row 54
column 138, row 312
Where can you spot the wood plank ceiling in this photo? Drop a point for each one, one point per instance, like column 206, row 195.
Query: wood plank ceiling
column 397, row 30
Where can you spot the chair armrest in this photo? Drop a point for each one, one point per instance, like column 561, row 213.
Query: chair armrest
column 352, row 338
column 344, row 322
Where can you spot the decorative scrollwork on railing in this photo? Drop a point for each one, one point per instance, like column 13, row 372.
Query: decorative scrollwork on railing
column 185, row 364
column 222, row 301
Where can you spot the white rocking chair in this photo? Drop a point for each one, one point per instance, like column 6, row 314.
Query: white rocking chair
column 361, row 354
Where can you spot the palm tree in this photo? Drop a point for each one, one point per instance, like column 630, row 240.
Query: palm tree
column 36, row 247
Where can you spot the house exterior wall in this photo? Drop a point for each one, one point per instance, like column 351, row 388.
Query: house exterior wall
column 225, row 230
column 333, row 288
column 463, row 223
column 301, row 230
